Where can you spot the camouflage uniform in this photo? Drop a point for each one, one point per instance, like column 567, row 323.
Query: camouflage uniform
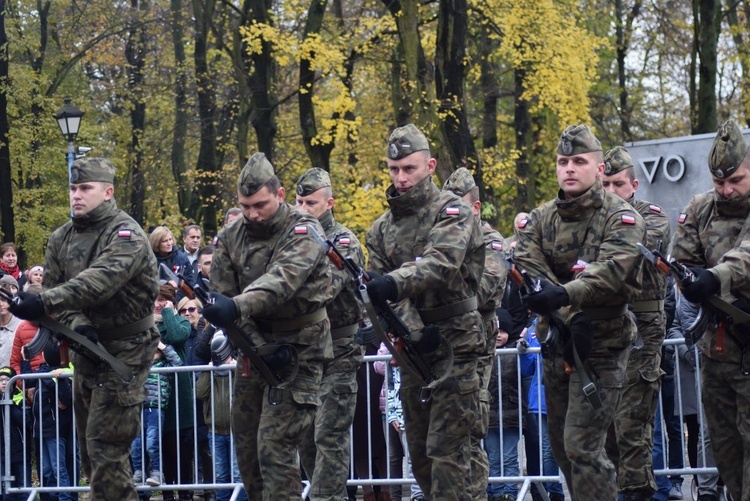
column 712, row 233
column 430, row 244
column 325, row 453
column 280, row 279
column 489, row 299
column 100, row 271
column 586, row 244
column 631, row 437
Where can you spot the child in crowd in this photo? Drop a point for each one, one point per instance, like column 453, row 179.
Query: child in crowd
column 158, row 387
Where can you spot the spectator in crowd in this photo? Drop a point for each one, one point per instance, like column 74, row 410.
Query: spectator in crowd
column 163, row 244
column 192, row 238
column 9, row 262
column 205, row 258
column 35, row 276
column 158, row 388
column 231, row 215
column 178, row 423
column 8, row 322
column 214, row 390
column 53, row 420
column 536, row 423
column 393, row 422
column 19, row 418
column 505, row 409
column 24, row 334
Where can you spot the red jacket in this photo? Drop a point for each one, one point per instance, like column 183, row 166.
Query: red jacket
column 24, row 334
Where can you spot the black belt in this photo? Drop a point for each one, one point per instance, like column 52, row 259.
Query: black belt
column 448, row 311
column 344, row 332
column 648, row 306
column 292, row 324
column 137, row 327
column 604, row 312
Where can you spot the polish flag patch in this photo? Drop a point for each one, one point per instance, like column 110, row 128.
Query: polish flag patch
column 523, row 222
column 124, row 233
column 300, row 230
column 655, row 208
column 345, row 241
column 498, row 246
column 682, row 218
column 215, row 241
column 453, row 211
column 627, row 219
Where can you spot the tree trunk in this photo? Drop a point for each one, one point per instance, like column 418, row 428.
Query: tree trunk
column 135, row 53
column 179, row 135
column 710, row 24
column 263, row 115
column 7, row 221
column 524, row 145
column 744, row 53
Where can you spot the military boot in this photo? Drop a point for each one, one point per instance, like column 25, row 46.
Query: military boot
column 636, row 496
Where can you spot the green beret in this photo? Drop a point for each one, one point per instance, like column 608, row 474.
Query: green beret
column 312, row 180
column 86, row 170
column 406, row 140
column 576, row 140
column 255, row 174
column 615, row 160
column 728, row 150
column 461, row 182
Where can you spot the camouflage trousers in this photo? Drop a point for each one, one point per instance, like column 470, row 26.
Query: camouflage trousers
column 325, row 450
column 577, row 431
column 630, row 439
column 726, row 403
column 108, row 415
column 480, row 466
column 266, row 437
column 438, row 432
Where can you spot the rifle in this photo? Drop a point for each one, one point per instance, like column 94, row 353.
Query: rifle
column 559, row 333
column 401, row 347
column 726, row 313
column 275, row 380
column 77, row 341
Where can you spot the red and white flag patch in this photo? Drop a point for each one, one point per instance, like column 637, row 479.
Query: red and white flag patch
column 655, row 208
column 628, row 219
column 682, row 218
column 124, row 233
column 344, row 241
column 452, row 211
column 523, row 222
column 300, row 230
column 498, row 246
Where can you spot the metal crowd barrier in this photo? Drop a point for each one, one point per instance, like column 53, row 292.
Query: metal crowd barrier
column 359, row 476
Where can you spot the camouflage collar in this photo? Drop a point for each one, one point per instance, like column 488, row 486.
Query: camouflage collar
column 733, row 207
column 413, row 200
column 266, row 229
column 575, row 209
column 105, row 210
column 326, row 221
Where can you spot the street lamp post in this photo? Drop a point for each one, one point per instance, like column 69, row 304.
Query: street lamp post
column 69, row 119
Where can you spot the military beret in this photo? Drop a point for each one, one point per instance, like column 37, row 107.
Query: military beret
column 312, row 180
column 728, row 150
column 406, row 140
column 255, row 174
column 615, row 160
column 86, row 170
column 460, row 182
column 576, row 140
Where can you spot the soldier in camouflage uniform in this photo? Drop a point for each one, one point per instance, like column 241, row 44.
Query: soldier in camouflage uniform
column 630, row 440
column 712, row 238
column 489, row 297
column 269, row 271
column 100, row 278
column 429, row 248
column 325, row 453
column 582, row 246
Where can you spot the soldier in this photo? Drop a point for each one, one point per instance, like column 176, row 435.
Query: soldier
column 101, row 279
column 269, row 271
column 325, row 450
column 630, row 440
column 711, row 237
column 582, row 247
column 489, row 298
column 429, row 248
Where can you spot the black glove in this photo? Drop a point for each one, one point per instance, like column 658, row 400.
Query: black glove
column 582, row 333
column 430, row 340
column 88, row 332
column 279, row 358
column 381, row 288
column 702, row 287
column 366, row 335
column 27, row 306
column 548, row 299
column 222, row 312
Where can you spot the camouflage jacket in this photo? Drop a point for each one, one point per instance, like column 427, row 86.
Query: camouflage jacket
column 100, row 270
column 495, row 273
column 431, row 244
column 653, row 282
column 587, row 244
column 277, row 273
column 708, row 234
